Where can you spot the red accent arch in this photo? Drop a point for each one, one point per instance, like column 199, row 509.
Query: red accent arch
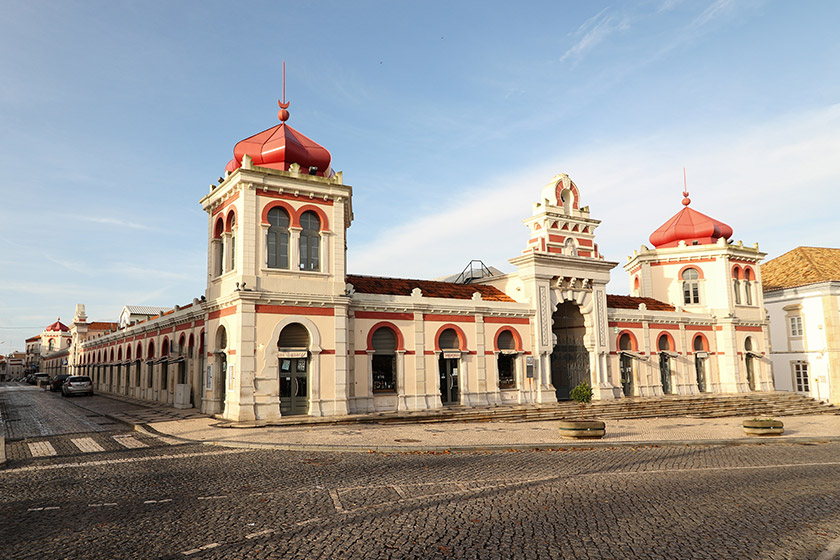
column 325, row 222
column 634, row 344
column 128, row 353
column 284, row 205
column 462, row 338
column 517, row 339
column 387, row 325
column 150, row 350
column 695, row 267
column 164, row 346
column 736, row 272
column 702, row 338
column 219, row 228
column 139, row 350
column 749, row 274
column 230, row 220
column 672, row 347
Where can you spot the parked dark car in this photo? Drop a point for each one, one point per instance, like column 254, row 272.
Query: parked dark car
column 57, row 381
column 76, row 385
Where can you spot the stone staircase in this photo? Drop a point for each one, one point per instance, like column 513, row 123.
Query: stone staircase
column 757, row 404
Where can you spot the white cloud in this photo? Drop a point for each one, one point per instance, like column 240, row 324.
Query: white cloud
column 593, row 32
column 774, row 183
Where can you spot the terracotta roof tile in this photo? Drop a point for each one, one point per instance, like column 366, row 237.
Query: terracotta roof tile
column 100, row 326
column 630, row 302
column 430, row 288
column 800, row 267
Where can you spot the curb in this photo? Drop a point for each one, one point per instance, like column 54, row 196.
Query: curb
column 489, row 448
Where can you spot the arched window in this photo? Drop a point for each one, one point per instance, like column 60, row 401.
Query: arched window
column 51, row 345
column 232, row 248
column 691, row 286
column 748, row 286
column 505, row 360
column 150, row 365
column 569, row 248
column 278, row 238
column 448, row 340
column 384, row 360
column 699, row 346
column 164, row 366
column 310, row 241
column 218, row 248
column 625, row 362
column 736, row 284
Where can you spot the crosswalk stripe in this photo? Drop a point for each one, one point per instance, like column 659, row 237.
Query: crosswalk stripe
column 42, row 449
column 129, row 441
column 87, row 445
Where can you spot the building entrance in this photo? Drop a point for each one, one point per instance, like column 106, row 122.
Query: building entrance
column 449, row 392
column 570, row 358
column 294, row 386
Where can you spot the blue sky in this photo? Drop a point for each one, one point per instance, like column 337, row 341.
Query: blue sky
column 447, row 118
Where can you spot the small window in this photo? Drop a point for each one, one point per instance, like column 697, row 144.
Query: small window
column 736, row 285
column 796, row 326
column 748, row 286
column 691, row 286
column 800, row 375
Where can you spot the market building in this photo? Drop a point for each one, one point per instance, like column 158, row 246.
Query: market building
column 283, row 329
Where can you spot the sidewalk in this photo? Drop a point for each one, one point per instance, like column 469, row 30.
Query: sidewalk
column 188, row 425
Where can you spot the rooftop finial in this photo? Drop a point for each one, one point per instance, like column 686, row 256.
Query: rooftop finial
column 686, row 201
column 283, row 114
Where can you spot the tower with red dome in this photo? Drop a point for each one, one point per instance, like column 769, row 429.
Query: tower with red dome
column 715, row 286
column 276, row 248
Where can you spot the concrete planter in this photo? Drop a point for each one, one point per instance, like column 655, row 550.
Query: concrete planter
column 582, row 429
column 757, row 427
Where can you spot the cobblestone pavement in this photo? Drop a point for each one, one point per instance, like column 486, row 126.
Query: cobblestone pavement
column 777, row 501
column 27, row 411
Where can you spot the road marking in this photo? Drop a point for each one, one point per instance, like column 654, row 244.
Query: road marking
column 336, row 501
column 199, row 549
column 87, row 445
column 48, row 508
column 129, row 441
column 109, row 504
column 42, row 449
column 307, row 522
column 158, row 501
column 259, row 534
column 400, row 491
column 211, row 497
column 121, row 461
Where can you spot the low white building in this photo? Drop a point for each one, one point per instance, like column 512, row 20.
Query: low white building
column 802, row 296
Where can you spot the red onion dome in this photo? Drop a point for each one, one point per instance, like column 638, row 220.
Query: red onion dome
column 690, row 226
column 281, row 146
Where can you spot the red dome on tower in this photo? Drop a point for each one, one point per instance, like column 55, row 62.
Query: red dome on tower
column 58, row 326
column 690, row 226
column 281, row 146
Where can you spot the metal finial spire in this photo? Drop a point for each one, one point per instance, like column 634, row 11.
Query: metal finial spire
column 283, row 114
column 686, row 201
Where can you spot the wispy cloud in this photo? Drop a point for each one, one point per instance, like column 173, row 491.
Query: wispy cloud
column 780, row 172
column 593, row 32
column 123, row 223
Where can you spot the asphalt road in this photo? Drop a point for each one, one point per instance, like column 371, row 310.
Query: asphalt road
column 121, row 494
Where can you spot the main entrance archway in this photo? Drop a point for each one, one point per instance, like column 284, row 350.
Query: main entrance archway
column 293, row 370
column 570, row 358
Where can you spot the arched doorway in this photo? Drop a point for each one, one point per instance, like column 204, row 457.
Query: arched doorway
column 448, row 364
column 221, row 361
column 664, row 346
column 749, row 360
column 505, row 361
column 700, row 353
column 570, row 358
column 293, row 353
column 625, row 364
